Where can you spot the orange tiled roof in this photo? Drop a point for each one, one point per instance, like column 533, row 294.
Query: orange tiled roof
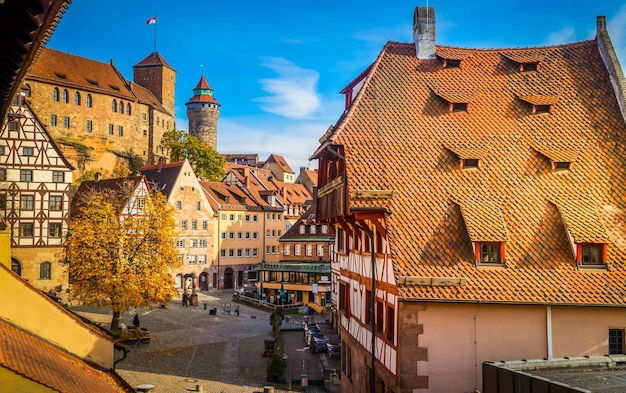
column 543, row 99
column 395, row 137
column 559, row 150
column 280, row 160
column 49, row 366
column 153, row 58
column 452, row 53
column 227, row 195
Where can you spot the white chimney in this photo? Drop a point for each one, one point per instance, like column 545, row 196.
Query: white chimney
column 424, row 32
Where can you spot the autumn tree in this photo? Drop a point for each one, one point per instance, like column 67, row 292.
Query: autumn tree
column 205, row 161
column 120, row 249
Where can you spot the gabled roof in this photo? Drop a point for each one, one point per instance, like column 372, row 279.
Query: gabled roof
column 163, row 176
column 275, row 158
column 307, row 218
column 394, row 137
column 153, row 59
column 39, row 361
column 120, row 186
column 226, row 196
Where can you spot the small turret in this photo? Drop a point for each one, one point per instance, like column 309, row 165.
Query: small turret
column 202, row 112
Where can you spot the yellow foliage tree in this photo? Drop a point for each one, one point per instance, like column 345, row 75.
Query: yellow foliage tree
column 120, row 255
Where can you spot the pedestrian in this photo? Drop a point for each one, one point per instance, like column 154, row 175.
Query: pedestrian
column 185, row 299
column 136, row 321
column 137, row 330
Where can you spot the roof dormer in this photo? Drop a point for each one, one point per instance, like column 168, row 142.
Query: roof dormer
column 527, row 60
column 470, row 154
column 451, row 57
column 562, row 153
column 540, row 104
column 458, row 100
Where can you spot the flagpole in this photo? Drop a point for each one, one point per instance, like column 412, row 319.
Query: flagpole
column 155, row 34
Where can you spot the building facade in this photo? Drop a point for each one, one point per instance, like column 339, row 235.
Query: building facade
column 35, row 186
column 97, row 117
column 482, row 222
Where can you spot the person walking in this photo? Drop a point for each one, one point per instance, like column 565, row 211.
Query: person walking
column 137, row 329
column 185, row 299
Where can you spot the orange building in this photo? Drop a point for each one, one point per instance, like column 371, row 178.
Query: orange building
column 478, row 199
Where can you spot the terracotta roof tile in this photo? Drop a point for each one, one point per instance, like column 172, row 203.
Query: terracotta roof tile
column 453, row 53
column 544, row 99
column 48, row 365
column 395, row 137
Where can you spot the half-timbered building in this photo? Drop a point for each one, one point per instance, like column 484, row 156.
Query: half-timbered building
column 35, row 185
column 478, row 200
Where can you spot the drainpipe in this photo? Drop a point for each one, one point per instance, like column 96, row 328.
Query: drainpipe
column 549, row 330
column 219, row 245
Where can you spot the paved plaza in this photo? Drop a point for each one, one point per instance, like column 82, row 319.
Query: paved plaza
column 190, row 349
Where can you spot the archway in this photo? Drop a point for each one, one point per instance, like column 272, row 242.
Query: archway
column 203, row 281
column 228, row 278
column 16, row 266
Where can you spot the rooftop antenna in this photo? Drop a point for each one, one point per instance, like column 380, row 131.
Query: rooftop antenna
column 202, row 67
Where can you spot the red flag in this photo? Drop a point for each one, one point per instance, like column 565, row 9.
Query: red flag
column 151, row 21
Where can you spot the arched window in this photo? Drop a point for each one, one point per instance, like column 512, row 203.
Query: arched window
column 16, row 266
column 64, row 98
column 128, row 109
column 77, row 98
column 45, row 271
column 114, row 106
column 88, row 101
column 122, row 107
column 55, row 94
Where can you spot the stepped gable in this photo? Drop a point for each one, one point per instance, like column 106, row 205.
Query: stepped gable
column 399, row 135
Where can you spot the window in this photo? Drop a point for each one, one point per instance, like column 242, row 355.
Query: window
column 344, row 298
column 247, row 235
column 231, row 235
column 616, row 341
column 286, row 249
column 77, row 98
column 88, row 102
column 122, row 107
column 247, row 218
column 268, row 250
column 143, row 116
column 223, row 216
column 183, row 224
column 231, row 217
column 205, row 225
column 268, row 233
column 27, row 151
column 390, row 324
column 324, row 228
column 368, row 310
column 66, row 122
column 55, row 94
column 341, row 240
column 27, row 202
column 26, row 175
column 45, row 271
column 239, row 217
column 528, row 67
column 58, row 176
column 308, row 250
column 379, row 317
column 320, row 250
column 198, row 206
column 64, row 97
column 191, row 259
column 279, row 216
column 239, row 235
column 3, row 174
column 255, row 252
column 489, row 252
column 296, row 250
column 223, row 235
column 223, row 253
column 231, row 253
column 561, row 165
column 469, row 163
column 55, row 229
column 255, row 236
column 89, row 126
column 451, row 63
column 273, row 249
column 120, row 131
column 239, row 252
column 114, row 106
column 26, row 229
column 202, row 259
column 458, row 107
column 128, row 109
column 193, row 243
column 180, row 243
column 56, row 202
column 53, row 120
column 255, row 218
column 248, row 255
column 302, row 229
column 203, row 243
column 13, row 126
column 592, row 254
column 145, row 133
column 268, row 216
column 179, row 205
column 110, row 129
column 541, row 109
column 194, row 225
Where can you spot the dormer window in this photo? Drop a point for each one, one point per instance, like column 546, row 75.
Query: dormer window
column 489, row 252
column 540, row 103
column 451, row 63
column 540, row 109
column 529, row 67
column 558, row 166
column 469, row 163
column 591, row 254
column 457, row 107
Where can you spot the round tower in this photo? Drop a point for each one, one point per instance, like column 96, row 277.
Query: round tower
column 202, row 112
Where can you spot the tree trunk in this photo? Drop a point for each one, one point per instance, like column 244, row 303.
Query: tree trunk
column 115, row 322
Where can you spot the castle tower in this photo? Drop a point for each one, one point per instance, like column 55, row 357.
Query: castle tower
column 202, row 112
column 156, row 75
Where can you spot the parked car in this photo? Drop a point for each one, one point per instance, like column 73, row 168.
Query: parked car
column 309, row 325
column 312, row 334
column 333, row 350
column 311, row 329
column 318, row 344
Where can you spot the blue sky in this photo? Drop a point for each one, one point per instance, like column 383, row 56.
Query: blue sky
column 277, row 66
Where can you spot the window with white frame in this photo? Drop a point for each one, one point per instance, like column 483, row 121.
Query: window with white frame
column 202, row 243
column 286, row 249
column 193, row 243
column 255, row 252
column 223, row 235
column 183, row 224
column 180, row 243
column 205, row 225
column 202, row 259
column 296, row 250
column 320, row 250
column 194, row 224
column 223, row 253
column 191, row 259
column 255, row 236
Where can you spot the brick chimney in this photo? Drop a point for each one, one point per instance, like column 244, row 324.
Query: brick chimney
column 424, row 32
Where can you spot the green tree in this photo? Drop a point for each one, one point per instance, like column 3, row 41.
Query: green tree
column 205, row 161
column 121, row 260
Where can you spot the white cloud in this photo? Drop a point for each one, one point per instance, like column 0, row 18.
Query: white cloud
column 563, row 36
column 292, row 93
